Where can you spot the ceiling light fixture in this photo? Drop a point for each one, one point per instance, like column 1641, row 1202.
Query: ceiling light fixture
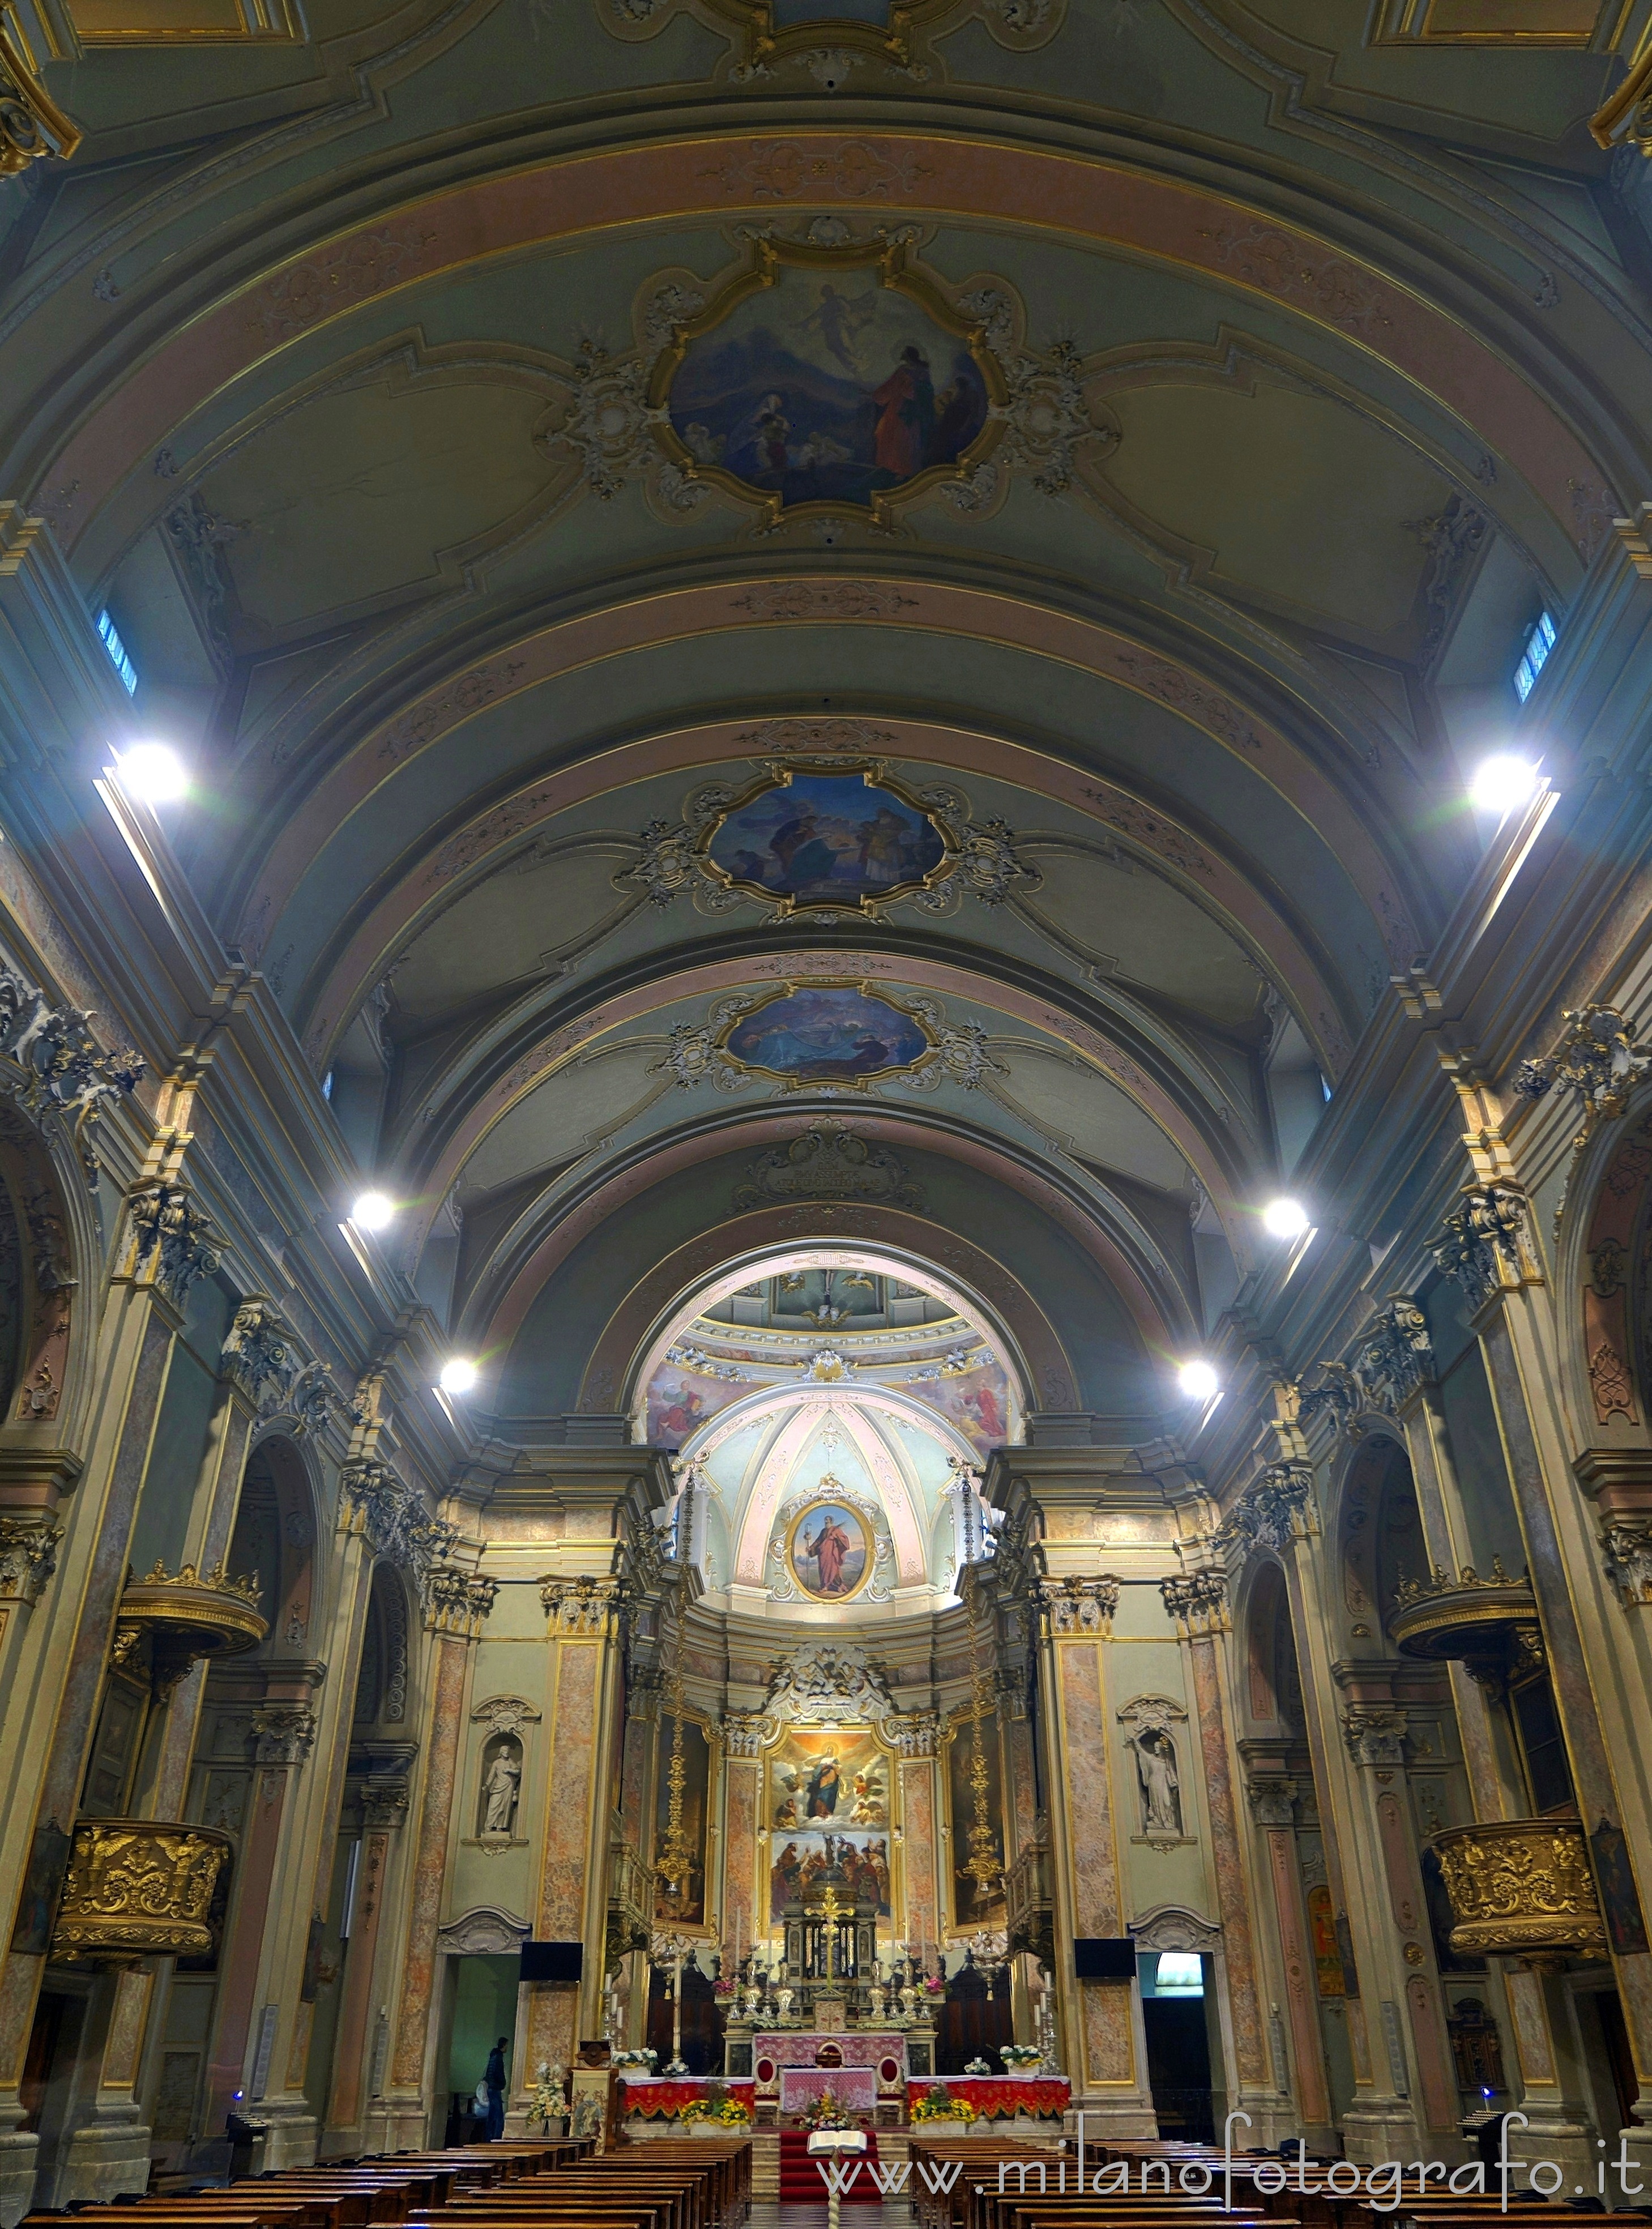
column 1285, row 1218
column 459, row 1375
column 372, row 1211
column 1198, row 1381
column 1502, row 784
column 153, row 773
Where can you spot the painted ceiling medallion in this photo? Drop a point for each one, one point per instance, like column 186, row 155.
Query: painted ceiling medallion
column 847, row 1034
column 806, row 839
column 823, row 378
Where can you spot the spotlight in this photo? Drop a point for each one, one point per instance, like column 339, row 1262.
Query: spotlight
column 458, row 1376
column 1285, row 1218
column 1197, row 1380
column 1502, row 784
column 153, row 772
column 373, row 1210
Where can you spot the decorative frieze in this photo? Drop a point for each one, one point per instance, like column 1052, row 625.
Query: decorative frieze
column 915, row 1734
column 1485, row 1249
column 581, row 1605
column 139, row 1888
column 28, row 1556
column 170, row 1230
column 1198, row 1602
column 1074, row 1605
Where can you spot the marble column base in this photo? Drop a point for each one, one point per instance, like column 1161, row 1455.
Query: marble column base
column 19, row 2151
column 1377, row 2129
column 101, row 2160
column 292, row 2131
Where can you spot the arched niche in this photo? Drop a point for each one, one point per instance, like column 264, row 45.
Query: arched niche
column 383, row 1676
column 1273, row 1682
column 275, row 1537
column 1380, row 1539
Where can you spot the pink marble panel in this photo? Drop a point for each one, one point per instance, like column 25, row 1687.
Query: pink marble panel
column 1089, row 1792
column 430, row 1863
column 740, row 1853
column 568, row 1816
column 917, row 1810
column 1110, row 2042
column 1231, row 1895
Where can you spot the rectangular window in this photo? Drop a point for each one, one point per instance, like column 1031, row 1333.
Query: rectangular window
column 117, row 651
column 1539, row 644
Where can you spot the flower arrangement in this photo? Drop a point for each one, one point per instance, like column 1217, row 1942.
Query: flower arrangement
column 940, row 2105
column 827, row 2113
column 546, row 2100
column 645, row 2061
column 724, row 1986
column 935, row 1985
column 978, row 2067
column 1019, row 2055
column 722, row 2112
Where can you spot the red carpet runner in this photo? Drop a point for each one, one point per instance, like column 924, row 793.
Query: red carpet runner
column 801, row 2179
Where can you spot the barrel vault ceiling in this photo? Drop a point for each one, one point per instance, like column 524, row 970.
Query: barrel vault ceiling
column 335, row 359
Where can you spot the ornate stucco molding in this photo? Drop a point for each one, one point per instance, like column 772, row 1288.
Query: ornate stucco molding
column 171, row 1231
column 32, row 125
column 1273, row 1803
column 1074, row 1605
column 1198, row 1602
column 457, row 1602
column 1626, row 1552
column 1597, row 1060
column 285, row 1733
column 506, row 1714
column 744, row 1733
column 49, row 1059
column 1485, row 1249
column 260, row 1354
column 915, row 1734
column 1277, row 1510
column 1395, row 1359
column 28, row 1557
column 384, row 1804
column 393, row 1518
column 1375, row 1733
column 829, row 1161
column 581, row 1605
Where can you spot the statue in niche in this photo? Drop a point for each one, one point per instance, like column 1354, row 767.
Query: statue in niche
column 1159, row 1783
column 501, row 1784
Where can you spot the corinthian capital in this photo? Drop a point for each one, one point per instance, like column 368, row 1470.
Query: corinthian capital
column 1198, row 1602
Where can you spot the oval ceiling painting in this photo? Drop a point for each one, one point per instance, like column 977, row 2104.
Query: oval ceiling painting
column 834, row 1033
column 827, row 386
column 810, row 839
column 828, row 1551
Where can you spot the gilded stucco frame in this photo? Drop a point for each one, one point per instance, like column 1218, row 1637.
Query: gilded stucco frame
column 892, row 261
column 789, row 1078
column 780, row 775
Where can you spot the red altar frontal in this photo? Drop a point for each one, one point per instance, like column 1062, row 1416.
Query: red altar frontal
column 865, row 2068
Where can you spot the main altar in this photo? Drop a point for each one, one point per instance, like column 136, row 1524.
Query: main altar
column 864, row 2068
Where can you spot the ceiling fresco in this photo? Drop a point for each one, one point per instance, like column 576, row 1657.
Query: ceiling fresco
column 853, row 632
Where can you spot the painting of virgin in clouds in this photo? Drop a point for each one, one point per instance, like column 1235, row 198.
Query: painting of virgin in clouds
column 827, row 838
column 827, row 388
column 834, row 1035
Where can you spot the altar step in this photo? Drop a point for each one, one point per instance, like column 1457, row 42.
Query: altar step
column 799, row 2176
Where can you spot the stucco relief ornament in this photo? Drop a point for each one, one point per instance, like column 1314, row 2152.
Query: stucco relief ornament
column 829, row 1161
column 1077, row 1606
column 610, row 428
column 170, row 1230
column 1626, row 1542
column 1597, row 1060
column 1397, row 1356
column 49, row 1060
column 1278, row 1509
column 1484, row 1249
column 260, row 1354
column 1044, row 415
column 393, row 1518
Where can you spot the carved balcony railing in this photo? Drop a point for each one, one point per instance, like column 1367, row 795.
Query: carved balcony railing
column 630, row 1903
column 1030, row 1906
column 139, row 1888
column 1521, row 1887
column 179, row 1617
column 1490, row 1624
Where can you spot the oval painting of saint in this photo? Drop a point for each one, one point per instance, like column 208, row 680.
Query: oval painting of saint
column 827, row 839
column 828, row 1552
column 827, row 387
column 834, row 1035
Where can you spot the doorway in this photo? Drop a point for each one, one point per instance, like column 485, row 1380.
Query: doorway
column 484, row 2008
column 1179, row 2044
